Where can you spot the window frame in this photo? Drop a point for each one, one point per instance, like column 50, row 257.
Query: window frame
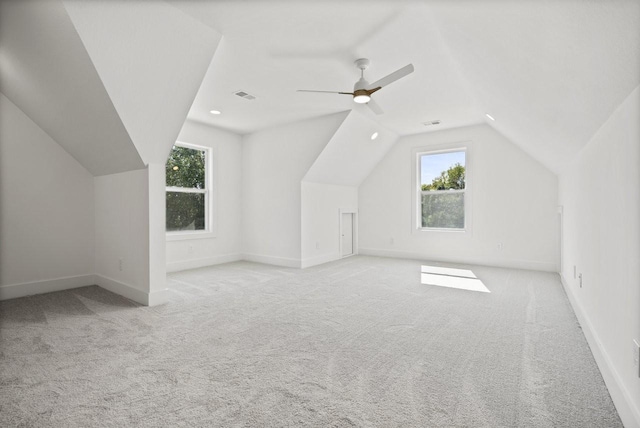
column 416, row 185
column 209, row 197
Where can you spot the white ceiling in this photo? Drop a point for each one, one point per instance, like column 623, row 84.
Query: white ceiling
column 45, row 71
column 111, row 82
column 151, row 59
column 550, row 72
column 271, row 49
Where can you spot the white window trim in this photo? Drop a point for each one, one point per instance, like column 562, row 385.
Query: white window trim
column 210, row 192
column 416, row 192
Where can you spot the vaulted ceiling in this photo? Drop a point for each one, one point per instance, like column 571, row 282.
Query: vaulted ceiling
column 117, row 73
column 549, row 72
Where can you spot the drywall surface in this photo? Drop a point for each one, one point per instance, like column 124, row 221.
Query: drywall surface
column 274, row 161
column 547, row 72
column 351, row 154
column 122, row 231
column 157, row 225
column 46, row 207
column 600, row 196
column 224, row 245
column 513, row 202
column 322, row 205
column 152, row 59
column 47, row 73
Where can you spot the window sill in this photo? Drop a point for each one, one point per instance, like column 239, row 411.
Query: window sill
column 440, row 229
column 183, row 236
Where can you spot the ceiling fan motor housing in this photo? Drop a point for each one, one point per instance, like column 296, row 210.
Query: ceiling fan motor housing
column 361, row 84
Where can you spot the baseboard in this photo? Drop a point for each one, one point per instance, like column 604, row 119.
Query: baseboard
column 14, row 291
column 159, row 297
column 628, row 410
column 206, row 261
column 139, row 296
column 318, row 260
column 271, row 260
column 512, row 264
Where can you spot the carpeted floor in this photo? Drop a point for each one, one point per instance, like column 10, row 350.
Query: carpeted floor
column 358, row 342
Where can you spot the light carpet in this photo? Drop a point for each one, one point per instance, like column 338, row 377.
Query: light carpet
column 357, row 342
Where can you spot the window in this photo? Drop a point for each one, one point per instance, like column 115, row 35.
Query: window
column 442, row 189
column 188, row 189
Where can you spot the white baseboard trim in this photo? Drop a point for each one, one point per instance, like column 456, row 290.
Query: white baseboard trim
column 13, row 291
column 132, row 293
column 159, row 297
column 628, row 410
column 271, row 260
column 206, row 261
column 318, row 260
column 512, row 264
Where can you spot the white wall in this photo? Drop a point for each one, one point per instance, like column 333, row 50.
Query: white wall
column 600, row 195
column 274, row 161
column 514, row 202
column 225, row 244
column 48, row 74
column 157, row 230
column 151, row 58
column 121, row 229
column 350, row 156
column 321, row 207
column 46, row 211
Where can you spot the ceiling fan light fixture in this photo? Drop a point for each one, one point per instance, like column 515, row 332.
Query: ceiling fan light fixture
column 362, row 90
column 362, row 99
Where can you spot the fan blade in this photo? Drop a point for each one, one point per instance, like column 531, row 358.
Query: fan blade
column 398, row 74
column 374, row 106
column 325, row 92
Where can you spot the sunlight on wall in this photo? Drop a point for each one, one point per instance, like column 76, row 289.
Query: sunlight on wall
column 462, row 279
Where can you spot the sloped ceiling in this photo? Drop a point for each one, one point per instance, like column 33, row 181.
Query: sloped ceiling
column 46, row 72
column 549, row 72
column 152, row 59
column 272, row 48
column 351, row 153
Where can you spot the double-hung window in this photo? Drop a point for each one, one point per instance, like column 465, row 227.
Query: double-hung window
column 188, row 189
column 442, row 189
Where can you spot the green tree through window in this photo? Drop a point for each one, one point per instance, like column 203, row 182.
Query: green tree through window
column 442, row 199
column 185, row 172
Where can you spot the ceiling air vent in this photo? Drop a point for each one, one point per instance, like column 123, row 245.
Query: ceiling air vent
column 246, row 96
column 431, row 122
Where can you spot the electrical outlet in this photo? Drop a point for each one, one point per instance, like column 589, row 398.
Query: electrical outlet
column 317, row 245
column 580, row 279
column 120, row 264
column 500, row 246
column 391, row 241
column 636, row 355
column 190, row 249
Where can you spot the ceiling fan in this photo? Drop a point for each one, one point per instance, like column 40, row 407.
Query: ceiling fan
column 363, row 90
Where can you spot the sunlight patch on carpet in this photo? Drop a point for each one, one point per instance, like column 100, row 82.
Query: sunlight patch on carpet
column 462, row 279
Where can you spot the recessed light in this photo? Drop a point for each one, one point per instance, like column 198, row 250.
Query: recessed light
column 214, row 112
column 374, row 135
column 489, row 116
